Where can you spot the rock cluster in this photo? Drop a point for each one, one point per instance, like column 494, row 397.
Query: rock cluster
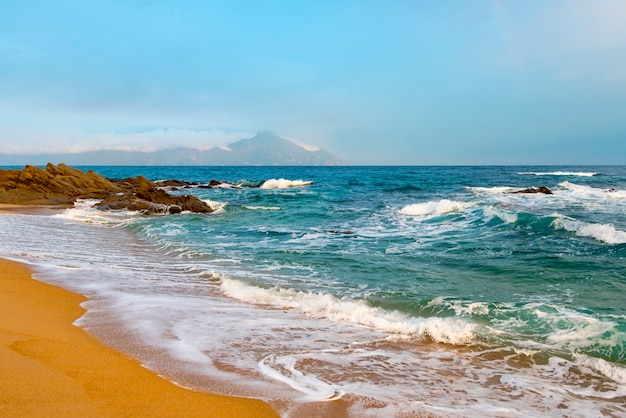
column 63, row 185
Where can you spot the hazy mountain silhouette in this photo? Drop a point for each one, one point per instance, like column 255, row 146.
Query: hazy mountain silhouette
column 265, row 148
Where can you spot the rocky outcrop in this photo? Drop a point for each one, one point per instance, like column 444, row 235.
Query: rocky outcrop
column 142, row 195
column 542, row 189
column 63, row 185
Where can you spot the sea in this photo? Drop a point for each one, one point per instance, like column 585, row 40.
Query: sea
column 372, row 291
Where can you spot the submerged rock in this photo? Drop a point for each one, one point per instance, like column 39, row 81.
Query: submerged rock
column 63, row 185
column 176, row 183
column 542, row 189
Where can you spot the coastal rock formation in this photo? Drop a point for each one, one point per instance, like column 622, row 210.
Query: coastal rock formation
column 542, row 189
column 63, row 185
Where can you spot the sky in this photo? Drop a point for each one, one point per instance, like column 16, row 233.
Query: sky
column 373, row 82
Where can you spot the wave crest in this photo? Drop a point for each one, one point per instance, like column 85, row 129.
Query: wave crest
column 325, row 306
column 491, row 190
column 434, row 208
column 606, row 233
column 84, row 211
column 284, row 184
column 493, row 212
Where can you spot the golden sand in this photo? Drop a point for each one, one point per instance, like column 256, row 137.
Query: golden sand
column 51, row 368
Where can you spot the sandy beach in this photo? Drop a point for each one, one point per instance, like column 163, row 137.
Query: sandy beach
column 29, row 209
column 50, row 367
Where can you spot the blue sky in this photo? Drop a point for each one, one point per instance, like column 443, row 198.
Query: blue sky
column 374, row 82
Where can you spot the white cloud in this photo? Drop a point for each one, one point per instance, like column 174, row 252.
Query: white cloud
column 308, row 147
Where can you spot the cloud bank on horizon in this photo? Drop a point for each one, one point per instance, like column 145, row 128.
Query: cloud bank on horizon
column 406, row 82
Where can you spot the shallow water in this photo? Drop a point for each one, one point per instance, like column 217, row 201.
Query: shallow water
column 400, row 290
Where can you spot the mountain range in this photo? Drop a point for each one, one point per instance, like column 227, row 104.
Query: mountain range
column 265, row 148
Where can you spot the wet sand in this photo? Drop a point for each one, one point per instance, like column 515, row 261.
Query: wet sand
column 49, row 367
column 30, row 209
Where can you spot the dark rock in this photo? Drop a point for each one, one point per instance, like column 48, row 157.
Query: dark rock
column 174, row 209
column 341, row 232
column 63, row 185
column 542, row 189
column 175, row 183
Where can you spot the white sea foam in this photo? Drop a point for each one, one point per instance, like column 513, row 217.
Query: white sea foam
column 613, row 371
column 460, row 307
column 329, row 307
column 560, row 173
column 283, row 368
column 606, row 233
column 494, row 212
column 284, row 184
column 261, row 207
column 224, row 185
column 584, row 191
column 84, row 211
column 491, row 190
column 217, row 207
column 562, row 328
column 434, row 208
column 576, row 330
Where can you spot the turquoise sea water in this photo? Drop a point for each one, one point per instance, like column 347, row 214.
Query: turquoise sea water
column 400, row 290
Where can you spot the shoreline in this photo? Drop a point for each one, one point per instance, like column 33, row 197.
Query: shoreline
column 53, row 368
column 6, row 208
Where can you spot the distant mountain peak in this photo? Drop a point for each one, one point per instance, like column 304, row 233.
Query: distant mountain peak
column 265, row 148
column 266, row 134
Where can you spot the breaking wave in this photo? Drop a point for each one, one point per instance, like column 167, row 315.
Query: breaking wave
column 434, row 208
column 284, row 184
column 84, row 211
column 491, row 190
column 494, row 212
column 326, row 306
column 606, row 233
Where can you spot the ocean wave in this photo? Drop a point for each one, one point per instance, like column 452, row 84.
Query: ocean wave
column 611, row 370
column 249, row 183
column 606, row 233
column 536, row 327
column 494, row 212
column 560, row 173
column 217, row 207
column 284, row 184
column 434, row 207
column 326, row 306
